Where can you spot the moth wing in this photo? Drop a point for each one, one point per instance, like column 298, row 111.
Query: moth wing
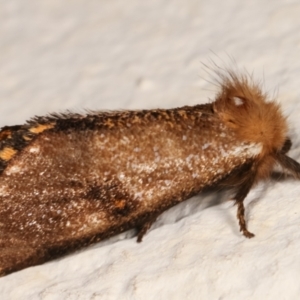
column 52, row 201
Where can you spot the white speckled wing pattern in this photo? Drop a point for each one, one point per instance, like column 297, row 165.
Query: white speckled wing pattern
column 75, row 184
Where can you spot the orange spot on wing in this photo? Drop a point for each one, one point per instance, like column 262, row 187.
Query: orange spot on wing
column 136, row 120
column 183, row 114
column 7, row 153
column 109, row 123
column 5, row 134
column 120, row 204
column 41, row 127
column 26, row 138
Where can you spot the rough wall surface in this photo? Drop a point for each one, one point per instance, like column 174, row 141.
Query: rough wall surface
column 113, row 54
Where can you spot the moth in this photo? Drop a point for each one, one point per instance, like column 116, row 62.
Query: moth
column 70, row 180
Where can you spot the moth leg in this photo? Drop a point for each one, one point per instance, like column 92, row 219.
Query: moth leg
column 241, row 194
column 144, row 228
column 242, row 222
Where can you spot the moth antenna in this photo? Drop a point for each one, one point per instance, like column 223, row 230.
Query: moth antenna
column 289, row 164
column 286, row 146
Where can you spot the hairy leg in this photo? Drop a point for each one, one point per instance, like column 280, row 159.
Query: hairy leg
column 241, row 194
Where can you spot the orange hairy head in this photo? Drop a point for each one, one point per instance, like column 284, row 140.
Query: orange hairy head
column 242, row 106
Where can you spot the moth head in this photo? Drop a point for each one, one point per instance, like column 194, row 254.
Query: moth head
column 244, row 108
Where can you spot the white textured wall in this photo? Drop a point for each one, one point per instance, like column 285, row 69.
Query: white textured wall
column 57, row 55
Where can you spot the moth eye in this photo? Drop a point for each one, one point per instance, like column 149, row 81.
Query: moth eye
column 238, row 101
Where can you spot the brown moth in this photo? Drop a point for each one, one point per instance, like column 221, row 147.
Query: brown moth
column 71, row 180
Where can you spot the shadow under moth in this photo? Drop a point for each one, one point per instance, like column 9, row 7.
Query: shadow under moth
column 70, row 180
